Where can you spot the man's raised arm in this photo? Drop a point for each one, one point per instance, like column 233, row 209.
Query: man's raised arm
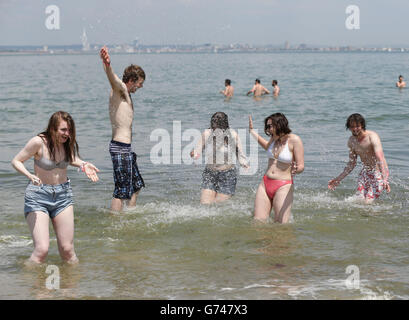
column 114, row 80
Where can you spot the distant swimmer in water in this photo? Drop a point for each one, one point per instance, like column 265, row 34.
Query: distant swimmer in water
column 373, row 178
column 127, row 178
column 48, row 194
column 285, row 152
column 222, row 148
column 229, row 89
column 276, row 90
column 401, row 83
column 258, row 90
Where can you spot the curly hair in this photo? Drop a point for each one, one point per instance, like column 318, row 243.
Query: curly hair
column 133, row 72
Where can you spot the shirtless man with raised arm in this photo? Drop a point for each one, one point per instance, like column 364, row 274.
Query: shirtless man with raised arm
column 366, row 144
column 258, row 89
column 127, row 178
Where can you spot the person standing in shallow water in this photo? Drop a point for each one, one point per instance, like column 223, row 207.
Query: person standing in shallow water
column 258, row 89
column 127, row 178
column 366, row 144
column 276, row 88
column 401, row 83
column 229, row 89
column 48, row 194
column 285, row 152
column 222, row 148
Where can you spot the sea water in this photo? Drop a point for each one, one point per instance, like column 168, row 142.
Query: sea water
column 170, row 246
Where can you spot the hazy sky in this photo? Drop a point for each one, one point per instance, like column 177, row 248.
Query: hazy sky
column 22, row 22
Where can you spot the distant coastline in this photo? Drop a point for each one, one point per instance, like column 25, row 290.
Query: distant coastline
column 203, row 48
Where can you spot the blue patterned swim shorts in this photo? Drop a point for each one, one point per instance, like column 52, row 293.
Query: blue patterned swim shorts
column 127, row 178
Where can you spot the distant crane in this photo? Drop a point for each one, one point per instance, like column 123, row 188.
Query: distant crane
column 84, row 40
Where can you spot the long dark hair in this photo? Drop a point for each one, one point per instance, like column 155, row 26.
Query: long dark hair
column 279, row 122
column 219, row 125
column 70, row 146
column 219, row 120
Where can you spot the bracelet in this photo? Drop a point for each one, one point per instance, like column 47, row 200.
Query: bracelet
column 82, row 166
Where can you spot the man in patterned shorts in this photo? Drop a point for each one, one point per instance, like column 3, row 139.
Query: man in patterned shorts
column 366, row 144
column 128, row 181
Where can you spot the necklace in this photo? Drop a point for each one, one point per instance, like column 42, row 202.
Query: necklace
column 278, row 147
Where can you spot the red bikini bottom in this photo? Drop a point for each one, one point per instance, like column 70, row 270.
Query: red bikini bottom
column 273, row 185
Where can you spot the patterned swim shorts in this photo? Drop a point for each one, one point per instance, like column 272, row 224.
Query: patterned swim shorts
column 127, row 178
column 370, row 184
column 220, row 181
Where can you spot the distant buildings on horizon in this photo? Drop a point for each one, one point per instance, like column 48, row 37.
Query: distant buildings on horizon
column 137, row 47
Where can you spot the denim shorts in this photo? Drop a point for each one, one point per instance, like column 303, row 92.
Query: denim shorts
column 221, row 181
column 48, row 198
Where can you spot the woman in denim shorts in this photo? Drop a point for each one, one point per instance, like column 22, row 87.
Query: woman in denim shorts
column 222, row 148
column 48, row 194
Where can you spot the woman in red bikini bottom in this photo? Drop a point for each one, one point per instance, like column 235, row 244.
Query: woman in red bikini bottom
column 285, row 153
